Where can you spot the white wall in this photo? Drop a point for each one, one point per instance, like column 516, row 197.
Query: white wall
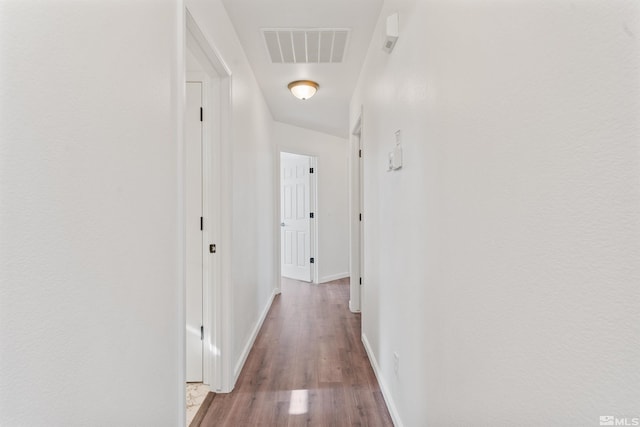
column 501, row 262
column 253, row 267
column 90, row 107
column 332, row 219
column 90, row 219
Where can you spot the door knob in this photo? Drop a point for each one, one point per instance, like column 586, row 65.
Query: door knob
column 282, row 224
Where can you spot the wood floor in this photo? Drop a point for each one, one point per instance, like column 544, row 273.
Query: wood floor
column 308, row 367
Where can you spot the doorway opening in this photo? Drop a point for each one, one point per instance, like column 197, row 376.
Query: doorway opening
column 356, row 213
column 298, row 217
column 206, row 207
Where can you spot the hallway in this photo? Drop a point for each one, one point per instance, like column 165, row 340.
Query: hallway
column 477, row 167
column 308, row 366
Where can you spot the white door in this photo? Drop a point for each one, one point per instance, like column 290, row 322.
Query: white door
column 194, row 244
column 295, row 199
column 357, row 209
column 358, row 293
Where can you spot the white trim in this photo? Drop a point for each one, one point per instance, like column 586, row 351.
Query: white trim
column 352, row 308
column 254, row 334
column 226, row 215
column 277, row 248
column 211, row 53
column 333, row 277
column 179, row 102
column 355, row 249
column 313, row 183
column 391, row 406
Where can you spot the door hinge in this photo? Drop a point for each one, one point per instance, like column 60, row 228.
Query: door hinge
column 360, row 217
column 361, row 280
column 312, row 260
column 359, row 153
column 311, row 215
column 201, row 332
column 310, row 170
column 201, row 223
column 201, row 114
column 212, row 248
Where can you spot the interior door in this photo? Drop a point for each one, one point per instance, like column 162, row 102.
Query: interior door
column 194, row 244
column 361, row 221
column 295, row 198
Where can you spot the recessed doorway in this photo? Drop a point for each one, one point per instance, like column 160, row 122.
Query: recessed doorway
column 206, row 174
column 297, row 216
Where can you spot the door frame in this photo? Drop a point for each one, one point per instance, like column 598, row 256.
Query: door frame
column 217, row 83
column 356, row 207
column 313, row 206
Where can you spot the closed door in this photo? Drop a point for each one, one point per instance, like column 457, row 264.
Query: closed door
column 295, row 214
column 194, row 243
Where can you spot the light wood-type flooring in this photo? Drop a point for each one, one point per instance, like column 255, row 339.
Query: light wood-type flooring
column 308, row 367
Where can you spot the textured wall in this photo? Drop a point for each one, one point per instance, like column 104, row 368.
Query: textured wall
column 90, row 332
column 501, row 262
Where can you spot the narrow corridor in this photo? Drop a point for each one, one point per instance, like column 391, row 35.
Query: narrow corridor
column 308, row 366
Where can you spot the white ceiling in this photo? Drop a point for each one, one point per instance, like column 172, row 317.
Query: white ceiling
column 328, row 110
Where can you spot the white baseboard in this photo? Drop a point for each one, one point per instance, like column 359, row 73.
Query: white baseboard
column 332, row 277
column 393, row 411
column 252, row 339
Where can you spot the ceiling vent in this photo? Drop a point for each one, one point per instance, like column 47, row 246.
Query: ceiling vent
column 302, row 46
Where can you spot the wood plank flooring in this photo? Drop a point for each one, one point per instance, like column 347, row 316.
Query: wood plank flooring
column 308, row 367
column 206, row 403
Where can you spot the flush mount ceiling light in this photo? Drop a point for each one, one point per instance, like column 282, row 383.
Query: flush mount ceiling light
column 303, row 89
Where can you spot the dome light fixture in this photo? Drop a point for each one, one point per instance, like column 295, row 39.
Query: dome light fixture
column 303, row 89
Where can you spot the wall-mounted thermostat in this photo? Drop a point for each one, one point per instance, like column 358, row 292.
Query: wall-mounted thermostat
column 391, row 33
